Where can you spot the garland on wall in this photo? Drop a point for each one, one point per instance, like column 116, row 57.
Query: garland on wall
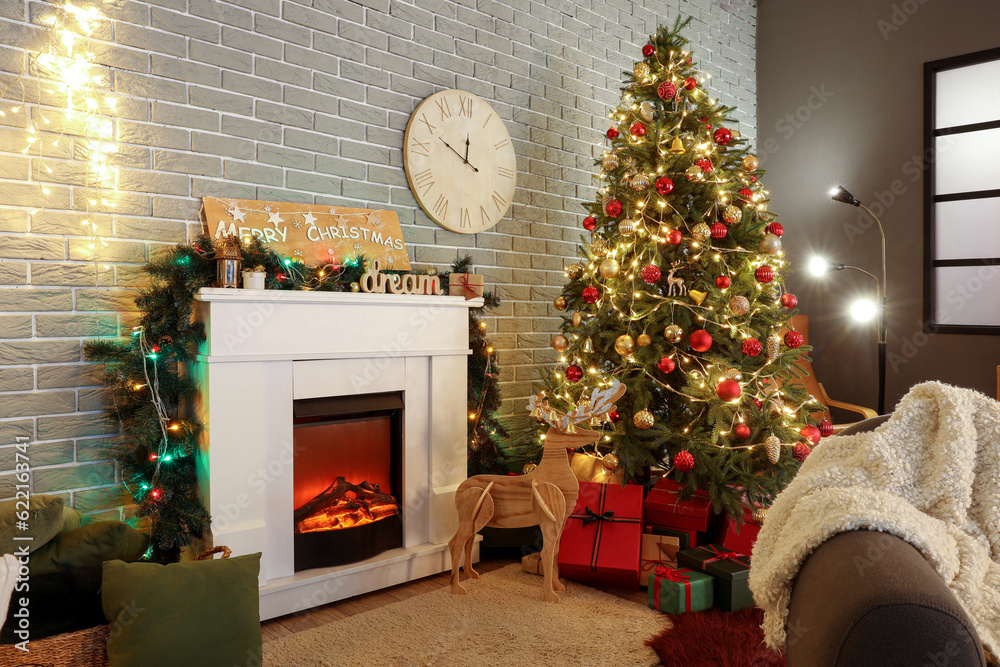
column 157, row 456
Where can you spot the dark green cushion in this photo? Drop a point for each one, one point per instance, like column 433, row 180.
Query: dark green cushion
column 89, row 546
column 72, row 519
column 44, row 520
column 194, row 613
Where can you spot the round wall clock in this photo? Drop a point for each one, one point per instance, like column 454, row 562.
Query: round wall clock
column 459, row 161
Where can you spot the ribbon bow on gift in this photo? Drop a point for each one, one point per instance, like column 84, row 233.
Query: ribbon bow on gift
column 594, row 516
column 470, row 290
column 723, row 555
column 676, row 576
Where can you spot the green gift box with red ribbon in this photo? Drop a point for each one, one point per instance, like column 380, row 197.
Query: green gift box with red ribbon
column 679, row 590
column 730, row 569
column 600, row 543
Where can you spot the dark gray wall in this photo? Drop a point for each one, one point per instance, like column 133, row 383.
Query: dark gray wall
column 840, row 100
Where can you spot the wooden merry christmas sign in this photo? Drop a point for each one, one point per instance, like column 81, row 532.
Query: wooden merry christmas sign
column 313, row 233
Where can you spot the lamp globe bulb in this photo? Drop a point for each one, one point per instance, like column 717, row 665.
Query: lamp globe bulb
column 863, row 310
column 818, row 266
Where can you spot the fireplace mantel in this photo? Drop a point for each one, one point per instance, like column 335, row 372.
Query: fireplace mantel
column 266, row 348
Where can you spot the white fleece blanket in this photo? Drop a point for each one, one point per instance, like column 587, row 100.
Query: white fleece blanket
column 930, row 475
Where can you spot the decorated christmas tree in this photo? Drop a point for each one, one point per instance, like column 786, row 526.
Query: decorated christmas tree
column 679, row 294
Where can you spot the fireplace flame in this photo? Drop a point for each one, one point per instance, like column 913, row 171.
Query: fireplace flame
column 344, row 505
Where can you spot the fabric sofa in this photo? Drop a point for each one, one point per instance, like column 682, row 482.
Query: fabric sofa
column 870, row 598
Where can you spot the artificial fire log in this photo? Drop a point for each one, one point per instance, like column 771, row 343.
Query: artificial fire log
column 351, row 503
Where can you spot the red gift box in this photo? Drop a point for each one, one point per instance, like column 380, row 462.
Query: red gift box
column 664, row 507
column 739, row 539
column 600, row 543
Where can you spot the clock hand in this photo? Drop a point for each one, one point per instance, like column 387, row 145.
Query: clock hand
column 458, row 154
column 466, row 149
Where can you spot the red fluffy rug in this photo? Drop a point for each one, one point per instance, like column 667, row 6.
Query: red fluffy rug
column 715, row 639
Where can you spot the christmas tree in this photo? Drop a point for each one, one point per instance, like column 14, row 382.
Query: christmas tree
column 679, row 295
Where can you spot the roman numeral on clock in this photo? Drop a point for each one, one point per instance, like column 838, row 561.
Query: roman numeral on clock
column 443, row 106
column 441, row 206
column 499, row 201
column 484, row 217
column 430, row 128
column 420, row 148
column 501, row 144
column 465, row 220
column 465, row 106
column 505, row 172
column 424, row 181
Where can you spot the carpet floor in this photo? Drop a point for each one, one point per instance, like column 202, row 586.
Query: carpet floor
column 716, row 639
column 502, row 621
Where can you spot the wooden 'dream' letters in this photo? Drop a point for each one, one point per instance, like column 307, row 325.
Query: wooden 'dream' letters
column 546, row 496
column 372, row 281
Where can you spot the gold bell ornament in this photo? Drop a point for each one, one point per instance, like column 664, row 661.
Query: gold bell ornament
column 676, row 146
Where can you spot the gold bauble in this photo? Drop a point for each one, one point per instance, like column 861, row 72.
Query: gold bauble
column 560, row 343
column 734, row 374
column 673, row 333
column 643, row 340
column 610, row 461
column 773, row 446
column 647, row 111
column 577, row 318
column 641, row 70
column 528, row 467
column 624, row 345
column 750, row 163
column 600, row 246
column 695, row 173
column 431, row 271
column 559, row 302
column 609, row 268
column 355, row 287
column 610, row 162
column 640, row 182
column 759, row 514
column 739, row 305
column 643, row 420
column 574, row 271
column 736, row 135
column 770, row 244
column 626, row 227
column 701, row 232
column 732, row 214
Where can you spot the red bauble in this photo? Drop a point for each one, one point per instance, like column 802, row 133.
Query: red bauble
column 674, row 237
column 666, row 364
column 801, row 452
column 612, row 133
column 614, row 416
column 776, row 229
column 666, row 90
column 793, row 339
column 705, row 164
column 752, row 347
column 723, row 136
column 690, row 83
column 764, row 274
column 684, row 461
column 591, row 294
column 756, row 401
column 613, row 208
column 825, row 429
column 742, row 431
column 719, row 230
column 788, row 300
column 700, row 340
column 664, row 185
column 574, row 373
column 589, row 223
column 810, row 433
column 722, row 282
column 648, row 50
column 728, row 390
column 638, row 130
column 651, row 273
column 746, row 194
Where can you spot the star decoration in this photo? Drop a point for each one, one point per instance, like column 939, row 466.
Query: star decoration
column 309, row 218
column 374, row 219
column 237, row 214
column 275, row 219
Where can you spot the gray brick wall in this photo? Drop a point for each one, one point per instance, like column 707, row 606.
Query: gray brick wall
column 272, row 99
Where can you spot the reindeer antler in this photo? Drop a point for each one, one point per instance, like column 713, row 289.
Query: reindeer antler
column 596, row 409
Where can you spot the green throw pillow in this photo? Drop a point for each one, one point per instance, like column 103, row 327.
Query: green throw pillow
column 89, row 546
column 195, row 613
column 71, row 520
column 43, row 522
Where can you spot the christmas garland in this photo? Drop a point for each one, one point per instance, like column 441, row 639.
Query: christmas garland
column 157, row 456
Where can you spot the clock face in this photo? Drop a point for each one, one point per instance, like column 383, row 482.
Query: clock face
column 459, row 161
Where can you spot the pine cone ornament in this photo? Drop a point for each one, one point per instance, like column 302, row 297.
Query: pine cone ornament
column 773, row 446
column 773, row 346
column 647, row 111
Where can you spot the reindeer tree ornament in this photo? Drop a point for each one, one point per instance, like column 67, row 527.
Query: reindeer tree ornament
column 545, row 496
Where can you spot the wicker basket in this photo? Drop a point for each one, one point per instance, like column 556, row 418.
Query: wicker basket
column 83, row 648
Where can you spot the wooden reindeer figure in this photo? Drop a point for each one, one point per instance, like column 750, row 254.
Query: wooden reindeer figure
column 545, row 496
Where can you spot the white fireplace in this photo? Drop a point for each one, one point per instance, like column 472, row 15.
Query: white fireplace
column 266, row 349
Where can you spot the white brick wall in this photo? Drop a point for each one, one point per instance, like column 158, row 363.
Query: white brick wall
column 308, row 101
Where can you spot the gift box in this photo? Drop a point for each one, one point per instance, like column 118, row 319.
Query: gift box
column 600, row 543
column 676, row 591
column 533, row 563
column 730, row 569
column 687, row 538
column 664, row 507
column 469, row 285
column 655, row 551
column 737, row 538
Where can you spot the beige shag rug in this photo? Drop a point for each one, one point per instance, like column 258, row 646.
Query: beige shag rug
column 502, row 621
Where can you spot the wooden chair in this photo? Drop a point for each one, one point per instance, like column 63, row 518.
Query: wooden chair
column 801, row 324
